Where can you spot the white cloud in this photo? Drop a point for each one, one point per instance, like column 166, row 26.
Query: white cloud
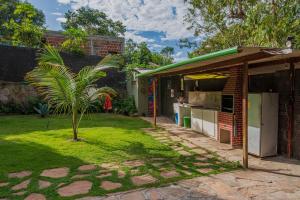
column 146, row 15
column 137, row 38
column 61, row 19
column 57, row 13
column 179, row 56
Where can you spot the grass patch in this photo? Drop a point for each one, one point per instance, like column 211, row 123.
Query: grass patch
column 32, row 143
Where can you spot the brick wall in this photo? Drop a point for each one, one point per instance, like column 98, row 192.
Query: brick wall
column 233, row 121
column 95, row 45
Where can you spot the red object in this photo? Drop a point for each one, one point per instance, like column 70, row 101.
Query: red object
column 107, row 104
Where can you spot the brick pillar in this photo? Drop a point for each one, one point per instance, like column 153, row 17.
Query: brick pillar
column 233, row 87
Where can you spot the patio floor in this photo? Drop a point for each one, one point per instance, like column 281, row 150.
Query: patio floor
column 270, row 178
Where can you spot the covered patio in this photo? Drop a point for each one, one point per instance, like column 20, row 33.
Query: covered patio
column 228, row 78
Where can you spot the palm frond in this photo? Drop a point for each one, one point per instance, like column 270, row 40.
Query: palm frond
column 50, row 55
column 111, row 61
column 55, row 83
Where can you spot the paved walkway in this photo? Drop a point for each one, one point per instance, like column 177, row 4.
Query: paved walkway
column 271, row 178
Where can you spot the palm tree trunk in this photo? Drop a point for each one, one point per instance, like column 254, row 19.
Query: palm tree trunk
column 74, row 124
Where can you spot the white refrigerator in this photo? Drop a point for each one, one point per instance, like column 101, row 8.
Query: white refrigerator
column 262, row 124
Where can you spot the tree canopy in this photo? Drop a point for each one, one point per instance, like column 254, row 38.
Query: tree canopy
column 227, row 23
column 93, row 21
column 21, row 23
column 140, row 56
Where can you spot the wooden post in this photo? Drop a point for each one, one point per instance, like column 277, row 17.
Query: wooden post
column 245, row 115
column 154, row 101
column 291, row 110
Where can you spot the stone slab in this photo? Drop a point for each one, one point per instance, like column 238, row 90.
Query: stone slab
column 75, row 188
column 56, row 172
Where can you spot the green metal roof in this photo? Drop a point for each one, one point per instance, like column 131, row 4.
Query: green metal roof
column 204, row 57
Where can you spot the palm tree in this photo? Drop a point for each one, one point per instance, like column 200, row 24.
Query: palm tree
column 66, row 91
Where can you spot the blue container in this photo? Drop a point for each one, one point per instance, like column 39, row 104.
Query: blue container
column 176, row 118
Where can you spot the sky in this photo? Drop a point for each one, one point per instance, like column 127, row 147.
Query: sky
column 160, row 23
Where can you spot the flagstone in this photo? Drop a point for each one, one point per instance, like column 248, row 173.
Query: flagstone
column 87, row 167
column 79, row 176
column 134, row 163
column 104, row 175
column 56, row 172
column 184, row 153
column 199, row 151
column 204, row 170
column 35, row 196
column 109, row 166
column 3, row 184
column 200, row 164
column 22, row 185
column 75, row 188
column 44, row 184
column 108, row 185
column 142, row 180
column 19, row 193
column 170, row 174
column 21, row 174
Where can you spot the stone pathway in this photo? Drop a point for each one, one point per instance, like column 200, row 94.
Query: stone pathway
column 75, row 188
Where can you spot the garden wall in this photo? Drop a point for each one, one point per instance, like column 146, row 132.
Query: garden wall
column 15, row 62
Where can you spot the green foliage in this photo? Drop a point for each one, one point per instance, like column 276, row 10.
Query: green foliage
column 22, row 24
column 167, row 51
column 42, row 109
column 65, row 91
column 93, row 22
column 75, row 41
column 124, row 106
column 139, row 56
column 228, row 23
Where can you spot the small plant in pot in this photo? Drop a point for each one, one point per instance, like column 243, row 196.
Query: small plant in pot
column 42, row 110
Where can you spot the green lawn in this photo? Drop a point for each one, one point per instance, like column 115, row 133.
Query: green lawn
column 27, row 143
column 35, row 144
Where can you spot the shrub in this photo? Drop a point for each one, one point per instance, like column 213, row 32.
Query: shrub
column 124, row 106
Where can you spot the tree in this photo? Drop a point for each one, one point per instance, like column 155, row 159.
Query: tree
column 22, row 24
column 227, row 23
column 93, row 22
column 140, row 56
column 75, row 41
column 167, row 51
column 65, row 91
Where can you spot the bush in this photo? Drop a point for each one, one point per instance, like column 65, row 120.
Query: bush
column 124, row 106
column 26, row 107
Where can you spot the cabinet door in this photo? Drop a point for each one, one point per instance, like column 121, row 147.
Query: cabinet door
column 254, row 123
column 196, row 120
column 209, row 123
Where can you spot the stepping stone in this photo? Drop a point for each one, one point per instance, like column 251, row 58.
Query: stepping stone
column 201, row 158
column 170, row 174
column 21, row 174
column 56, row 173
column 44, row 184
column 75, row 188
column 110, row 166
column 22, row 185
column 204, row 170
column 134, row 163
column 35, row 196
column 199, row 151
column 184, row 153
column 3, row 184
column 190, row 145
column 87, row 167
column 200, row 164
column 158, row 164
column 104, row 175
column 21, row 193
column 108, row 185
column 143, row 180
column 79, row 176
column 121, row 174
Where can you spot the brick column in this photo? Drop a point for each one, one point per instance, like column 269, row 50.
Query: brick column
column 233, row 87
